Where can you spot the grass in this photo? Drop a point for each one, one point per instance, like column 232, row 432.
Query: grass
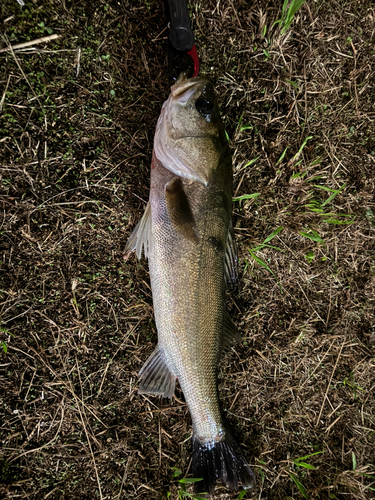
column 290, row 8
column 77, row 120
column 253, row 254
column 182, row 486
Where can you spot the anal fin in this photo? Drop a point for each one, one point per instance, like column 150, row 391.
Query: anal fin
column 155, row 377
column 141, row 235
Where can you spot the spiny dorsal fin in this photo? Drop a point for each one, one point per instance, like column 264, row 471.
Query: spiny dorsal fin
column 179, row 209
column 141, row 235
column 231, row 335
column 155, row 377
column 231, row 259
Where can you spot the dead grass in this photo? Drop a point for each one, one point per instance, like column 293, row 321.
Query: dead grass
column 76, row 130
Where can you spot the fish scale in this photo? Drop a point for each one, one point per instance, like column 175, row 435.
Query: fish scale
column 187, row 234
column 188, row 290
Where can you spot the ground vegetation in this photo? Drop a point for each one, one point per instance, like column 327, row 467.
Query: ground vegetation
column 77, row 118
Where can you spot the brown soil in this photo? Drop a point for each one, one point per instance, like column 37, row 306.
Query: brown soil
column 76, row 319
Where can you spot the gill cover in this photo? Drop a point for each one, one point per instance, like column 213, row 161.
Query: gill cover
column 189, row 130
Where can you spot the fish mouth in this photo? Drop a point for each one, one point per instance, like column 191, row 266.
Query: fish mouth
column 185, row 87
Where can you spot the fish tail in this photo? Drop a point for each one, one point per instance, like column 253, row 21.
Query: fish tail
column 222, row 460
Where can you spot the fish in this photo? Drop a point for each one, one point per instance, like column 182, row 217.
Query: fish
column 187, row 235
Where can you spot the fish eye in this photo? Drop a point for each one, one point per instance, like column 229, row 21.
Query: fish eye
column 204, row 106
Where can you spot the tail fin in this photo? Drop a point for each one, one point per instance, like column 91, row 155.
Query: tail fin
column 221, row 460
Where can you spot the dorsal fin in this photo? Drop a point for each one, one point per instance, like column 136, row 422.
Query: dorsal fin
column 231, row 259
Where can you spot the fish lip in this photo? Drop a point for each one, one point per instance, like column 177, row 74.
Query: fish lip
column 183, row 85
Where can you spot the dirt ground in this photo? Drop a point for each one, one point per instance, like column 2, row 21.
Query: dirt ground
column 77, row 118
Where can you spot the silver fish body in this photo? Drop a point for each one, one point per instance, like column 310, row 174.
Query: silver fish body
column 186, row 233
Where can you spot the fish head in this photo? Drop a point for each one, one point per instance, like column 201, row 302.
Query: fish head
column 192, row 109
column 189, row 138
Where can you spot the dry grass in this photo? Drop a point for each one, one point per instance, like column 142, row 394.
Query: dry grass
column 76, row 130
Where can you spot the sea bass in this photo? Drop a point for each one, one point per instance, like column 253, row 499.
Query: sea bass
column 186, row 232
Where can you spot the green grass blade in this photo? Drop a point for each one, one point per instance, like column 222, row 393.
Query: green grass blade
column 314, row 204
column 239, row 122
column 246, row 264
column 301, row 148
column 339, row 222
column 246, row 197
column 262, row 245
column 332, row 214
column 275, row 23
column 317, row 210
column 248, row 164
column 294, row 6
column 317, row 160
column 6, row 331
column 303, row 464
column 313, row 236
column 261, row 262
column 297, row 175
column 272, row 235
column 325, row 188
column 251, row 162
column 246, row 126
column 241, row 495
column 308, row 456
column 188, row 480
column 299, row 485
column 282, row 156
column 354, row 460
column 176, row 471
column 328, row 200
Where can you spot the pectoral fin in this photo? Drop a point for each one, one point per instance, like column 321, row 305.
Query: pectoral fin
column 155, row 376
column 141, row 235
column 179, row 209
